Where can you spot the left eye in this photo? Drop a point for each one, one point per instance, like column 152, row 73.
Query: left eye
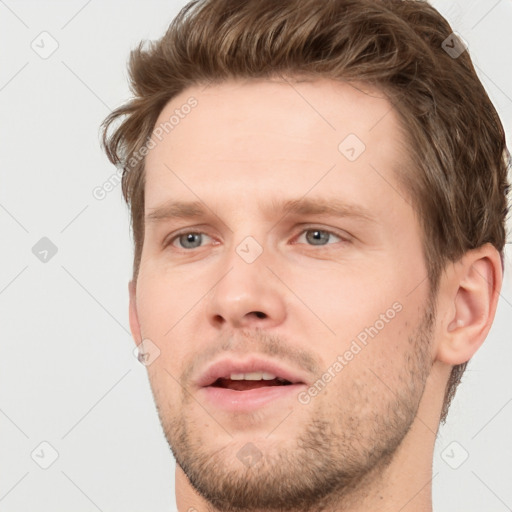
column 319, row 236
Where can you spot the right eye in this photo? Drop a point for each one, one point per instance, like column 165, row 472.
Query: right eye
column 187, row 240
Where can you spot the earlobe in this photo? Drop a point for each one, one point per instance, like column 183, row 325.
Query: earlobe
column 134, row 318
column 473, row 285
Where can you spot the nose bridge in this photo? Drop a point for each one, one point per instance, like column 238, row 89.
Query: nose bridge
column 247, row 293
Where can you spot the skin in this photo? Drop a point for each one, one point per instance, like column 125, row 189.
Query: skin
column 365, row 442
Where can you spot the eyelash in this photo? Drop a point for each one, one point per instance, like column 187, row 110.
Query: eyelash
column 305, row 230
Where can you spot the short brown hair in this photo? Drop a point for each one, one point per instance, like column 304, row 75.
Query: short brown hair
column 458, row 184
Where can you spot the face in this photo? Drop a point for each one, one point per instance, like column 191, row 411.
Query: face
column 300, row 258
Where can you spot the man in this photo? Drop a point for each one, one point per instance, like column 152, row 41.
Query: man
column 318, row 195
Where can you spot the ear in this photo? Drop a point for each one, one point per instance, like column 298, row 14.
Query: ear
column 134, row 318
column 470, row 290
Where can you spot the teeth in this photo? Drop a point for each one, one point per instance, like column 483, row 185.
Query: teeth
column 252, row 376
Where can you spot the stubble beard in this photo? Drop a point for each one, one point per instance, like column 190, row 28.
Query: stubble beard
column 337, row 458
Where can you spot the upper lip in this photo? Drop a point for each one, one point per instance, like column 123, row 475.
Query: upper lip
column 225, row 367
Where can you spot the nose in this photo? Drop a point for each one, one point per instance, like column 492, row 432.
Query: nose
column 248, row 295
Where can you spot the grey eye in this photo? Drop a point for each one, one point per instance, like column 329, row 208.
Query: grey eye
column 319, row 237
column 190, row 240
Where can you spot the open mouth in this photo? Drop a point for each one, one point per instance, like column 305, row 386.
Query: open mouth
column 246, row 385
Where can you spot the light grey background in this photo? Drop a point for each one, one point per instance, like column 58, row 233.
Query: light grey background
column 68, row 375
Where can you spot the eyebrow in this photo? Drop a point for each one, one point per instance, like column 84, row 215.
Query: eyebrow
column 309, row 206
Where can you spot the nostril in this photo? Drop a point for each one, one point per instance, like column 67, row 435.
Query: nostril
column 259, row 314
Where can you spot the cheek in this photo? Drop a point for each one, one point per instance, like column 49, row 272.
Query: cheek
column 345, row 296
column 165, row 295
column 366, row 313
column 163, row 306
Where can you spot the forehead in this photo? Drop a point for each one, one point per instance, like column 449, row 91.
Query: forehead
column 273, row 133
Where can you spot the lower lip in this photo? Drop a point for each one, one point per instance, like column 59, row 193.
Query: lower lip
column 236, row 401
